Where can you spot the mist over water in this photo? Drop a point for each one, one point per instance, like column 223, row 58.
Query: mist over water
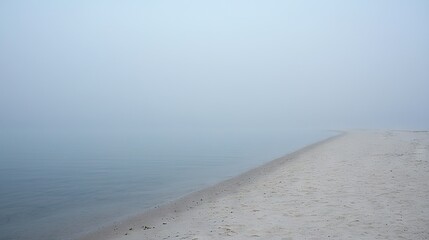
column 104, row 103
column 130, row 65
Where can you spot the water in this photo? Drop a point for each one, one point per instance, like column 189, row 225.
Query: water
column 57, row 185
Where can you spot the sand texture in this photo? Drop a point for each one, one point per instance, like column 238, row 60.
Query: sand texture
column 360, row 185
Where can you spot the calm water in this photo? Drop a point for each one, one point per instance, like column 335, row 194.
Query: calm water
column 56, row 185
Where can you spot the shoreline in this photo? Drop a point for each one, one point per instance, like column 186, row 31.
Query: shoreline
column 190, row 200
column 359, row 184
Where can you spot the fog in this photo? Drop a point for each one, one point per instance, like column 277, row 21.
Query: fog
column 139, row 65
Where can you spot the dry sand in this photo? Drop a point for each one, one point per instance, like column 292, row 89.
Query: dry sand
column 360, row 185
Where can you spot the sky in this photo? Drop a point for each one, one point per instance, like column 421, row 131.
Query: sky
column 135, row 65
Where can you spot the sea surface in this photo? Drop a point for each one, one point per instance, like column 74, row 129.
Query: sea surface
column 61, row 184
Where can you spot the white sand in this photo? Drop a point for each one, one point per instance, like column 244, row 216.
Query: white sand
column 362, row 185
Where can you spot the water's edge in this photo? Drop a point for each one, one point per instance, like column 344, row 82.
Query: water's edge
column 192, row 199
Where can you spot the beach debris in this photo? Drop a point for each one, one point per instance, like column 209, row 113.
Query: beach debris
column 130, row 229
column 164, row 223
column 146, row 227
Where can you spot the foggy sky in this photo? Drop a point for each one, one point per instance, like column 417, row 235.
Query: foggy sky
column 214, row 64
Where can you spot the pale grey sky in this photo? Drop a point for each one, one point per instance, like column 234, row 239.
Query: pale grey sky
column 214, row 64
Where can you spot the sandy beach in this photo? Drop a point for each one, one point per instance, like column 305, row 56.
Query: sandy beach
column 358, row 185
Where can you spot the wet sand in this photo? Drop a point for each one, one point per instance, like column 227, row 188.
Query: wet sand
column 359, row 185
